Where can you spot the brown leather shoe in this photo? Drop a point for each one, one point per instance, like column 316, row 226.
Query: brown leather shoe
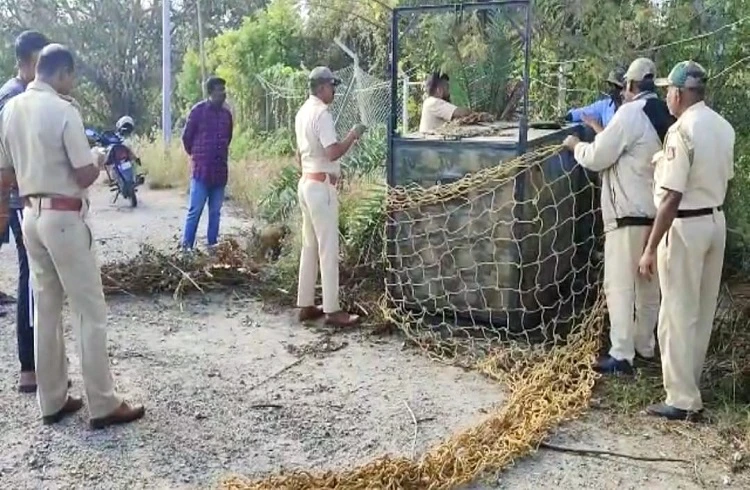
column 341, row 319
column 124, row 414
column 72, row 405
column 310, row 313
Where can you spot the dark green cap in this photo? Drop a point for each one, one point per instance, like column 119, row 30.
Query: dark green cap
column 617, row 77
column 685, row 74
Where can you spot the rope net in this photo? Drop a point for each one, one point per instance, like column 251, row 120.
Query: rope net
column 506, row 254
column 496, row 272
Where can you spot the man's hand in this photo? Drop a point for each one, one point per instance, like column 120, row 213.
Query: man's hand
column 647, row 264
column 100, row 156
column 7, row 183
column 593, row 123
column 358, row 131
column 570, row 142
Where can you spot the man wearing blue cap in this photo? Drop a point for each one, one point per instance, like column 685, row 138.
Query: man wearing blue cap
column 598, row 114
column 687, row 241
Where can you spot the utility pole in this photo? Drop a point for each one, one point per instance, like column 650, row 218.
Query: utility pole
column 166, row 72
column 201, row 48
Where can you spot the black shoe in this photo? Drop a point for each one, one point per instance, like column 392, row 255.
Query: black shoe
column 642, row 361
column 671, row 413
column 610, row 365
column 640, row 356
column 72, row 405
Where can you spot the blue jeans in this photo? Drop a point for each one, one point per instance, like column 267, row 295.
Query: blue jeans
column 199, row 194
column 24, row 298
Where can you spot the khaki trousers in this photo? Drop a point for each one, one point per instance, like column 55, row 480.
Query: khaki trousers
column 63, row 263
column 690, row 259
column 632, row 302
column 320, row 244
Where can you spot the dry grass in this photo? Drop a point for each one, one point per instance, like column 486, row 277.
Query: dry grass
column 166, row 167
column 250, row 177
column 169, row 168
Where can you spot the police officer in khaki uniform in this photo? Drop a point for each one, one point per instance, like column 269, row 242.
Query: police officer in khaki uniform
column 318, row 152
column 44, row 150
column 622, row 154
column 687, row 241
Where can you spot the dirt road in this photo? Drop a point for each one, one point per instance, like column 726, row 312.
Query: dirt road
column 231, row 388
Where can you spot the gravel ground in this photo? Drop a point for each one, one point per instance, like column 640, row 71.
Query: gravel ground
column 232, row 388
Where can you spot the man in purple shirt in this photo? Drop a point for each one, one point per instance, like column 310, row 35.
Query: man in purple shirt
column 206, row 139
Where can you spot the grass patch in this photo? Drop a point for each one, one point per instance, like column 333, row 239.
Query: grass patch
column 249, row 179
column 166, row 167
column 169, row 168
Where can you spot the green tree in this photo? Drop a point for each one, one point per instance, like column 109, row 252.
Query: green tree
column 272, row 36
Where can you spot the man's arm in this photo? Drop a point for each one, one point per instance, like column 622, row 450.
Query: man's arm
column 593, row 123
column 446, row 111
column 460, row 112
column 85, row 169
column 190, row 130
column 231, row 127
column 7, row 183
column 608, row 145
column 339, row 149
column 665, row 215
column 594, row 110
column 674, row 172
column 326, row 131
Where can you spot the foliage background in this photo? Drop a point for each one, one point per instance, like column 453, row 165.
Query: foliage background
column 255, row 44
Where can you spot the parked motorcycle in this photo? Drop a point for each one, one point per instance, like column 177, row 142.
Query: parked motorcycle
column 120, row 162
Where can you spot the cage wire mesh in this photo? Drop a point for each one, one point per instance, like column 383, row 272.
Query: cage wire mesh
column 360, row 99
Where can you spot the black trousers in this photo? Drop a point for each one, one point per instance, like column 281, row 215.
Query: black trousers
column 24, row 297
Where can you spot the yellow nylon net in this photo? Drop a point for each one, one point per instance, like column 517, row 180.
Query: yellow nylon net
column 497, row 272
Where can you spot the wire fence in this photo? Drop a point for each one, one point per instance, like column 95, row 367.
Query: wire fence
column 360, row 99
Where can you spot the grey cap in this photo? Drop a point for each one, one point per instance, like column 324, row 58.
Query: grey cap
column 640, row 69
column 323, row 74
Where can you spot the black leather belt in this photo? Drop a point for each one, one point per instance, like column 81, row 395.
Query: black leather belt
column 694, row 213
column 634, row 221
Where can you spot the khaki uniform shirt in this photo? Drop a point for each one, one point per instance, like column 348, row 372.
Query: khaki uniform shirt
column 435, row 113
column 622, row 154
column 315, row 131
column 42, row 138
column 697, row 160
